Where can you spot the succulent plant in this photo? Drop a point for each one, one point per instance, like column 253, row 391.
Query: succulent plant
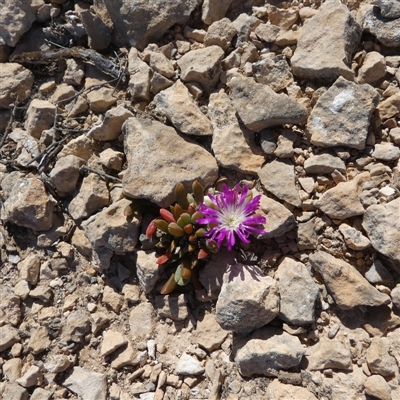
column 181, row 237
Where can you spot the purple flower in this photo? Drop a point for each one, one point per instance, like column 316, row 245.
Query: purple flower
column 232, row 213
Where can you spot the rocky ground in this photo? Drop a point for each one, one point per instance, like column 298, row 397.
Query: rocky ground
column 102, row 102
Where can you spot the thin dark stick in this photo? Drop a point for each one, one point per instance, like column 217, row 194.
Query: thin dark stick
column 101, row 174
column 8, row 128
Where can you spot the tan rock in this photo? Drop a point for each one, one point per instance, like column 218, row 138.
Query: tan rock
column 202, row 66
column 12, row 369
column 39, row 340
column 66, row 173
column 39, row 117
column 378, row 358
column 32, row 377
column 10, row 307
column 178, row 106
column 159, row 63
column 267, row 33
column 112, row 299
column 16, row 83
column 220, row 33
column 347, row 286
column 284, row 18
column 343, row 201
column 74, row 73
column 63, row 92
column 92, row 196
column 29, row 268
column 112, row 340
column 148, row 144
column 29, row 205
column 214, row 10
column 326, row 43
column 208, row 333
column 284, row 391
column 376, row 386
column 329, row 354
column 373, row 68
column 233, row 147
column 389, row 107
column 101, row 100
column 285, row 170
column 110, row 128
column 8, row 336
column 139, row 71
column 81, row 146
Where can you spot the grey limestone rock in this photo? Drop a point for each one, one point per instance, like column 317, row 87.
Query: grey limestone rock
column 112, row 229
column 298, row 293
column 139, row 22
column 324, row 164
column 248, row 299
column 87, row 384
column 341, row 115
column 382, row 224
column 278, row 109
column 274, row 72
column 267, row 349
column 386, row 30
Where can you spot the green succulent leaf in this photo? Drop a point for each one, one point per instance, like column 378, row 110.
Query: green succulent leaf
column 175, row 230
column 162, row 225
column 183, row 220
column 198, row 192
column 180, row 193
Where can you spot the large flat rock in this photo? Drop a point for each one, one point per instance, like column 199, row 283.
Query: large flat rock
column 139, row 22
column 347, row 286
column 233, row 146
column 342, row 114
column 277, row 109
column 326, row 44
column 159, row 158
